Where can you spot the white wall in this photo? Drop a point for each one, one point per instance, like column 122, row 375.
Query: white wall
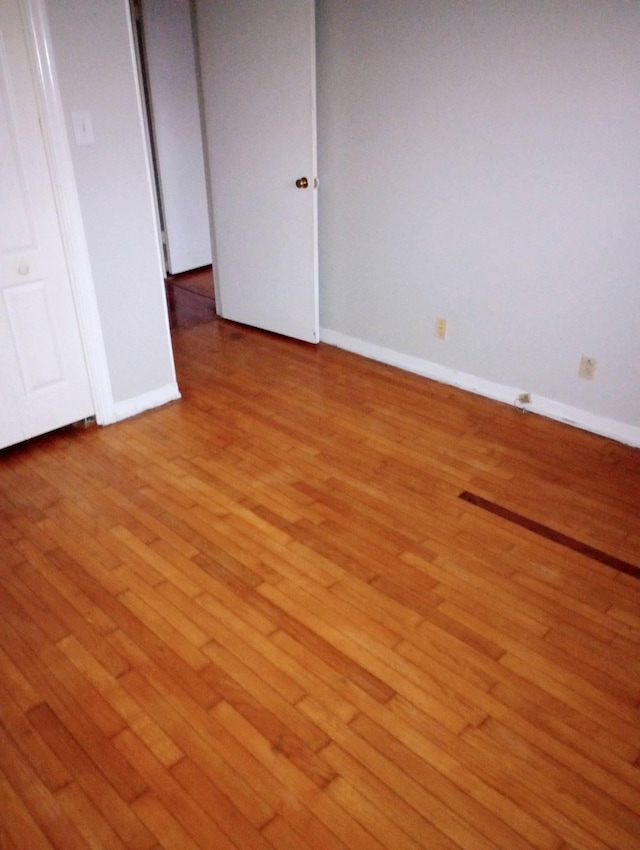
column 480, row 161
column 96, row 70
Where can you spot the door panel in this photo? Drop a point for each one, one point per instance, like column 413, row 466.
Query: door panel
column 258, row 81
column 31, row 322
column 16, row 227
column 43, row 376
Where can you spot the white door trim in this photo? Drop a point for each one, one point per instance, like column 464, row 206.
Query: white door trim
column 68, row 205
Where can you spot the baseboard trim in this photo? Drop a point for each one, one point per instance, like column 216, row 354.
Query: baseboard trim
column 578, row 418
column 146, row 401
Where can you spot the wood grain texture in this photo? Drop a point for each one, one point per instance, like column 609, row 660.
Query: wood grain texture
column 551, row 534
column 263, row 617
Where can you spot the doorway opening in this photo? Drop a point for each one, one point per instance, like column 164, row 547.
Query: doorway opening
column 167, row 67
column 249, row 126
column 190, row 298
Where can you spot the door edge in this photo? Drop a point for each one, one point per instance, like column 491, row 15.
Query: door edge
column 58, row 154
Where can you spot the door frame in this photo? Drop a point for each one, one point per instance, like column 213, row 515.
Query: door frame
column 58, row 152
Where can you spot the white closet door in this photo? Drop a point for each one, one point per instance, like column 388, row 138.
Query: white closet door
column 43, row 376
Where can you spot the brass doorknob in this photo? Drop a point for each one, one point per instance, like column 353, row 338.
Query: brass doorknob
column 302, row 183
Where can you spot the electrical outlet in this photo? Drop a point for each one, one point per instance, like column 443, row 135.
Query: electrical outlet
column 587, row 368
column 524, row 398
column 441, row 328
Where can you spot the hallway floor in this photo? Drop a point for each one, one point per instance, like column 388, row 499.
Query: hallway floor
column 190, row 298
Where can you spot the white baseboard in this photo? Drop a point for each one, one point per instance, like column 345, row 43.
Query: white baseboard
column 146, row 401
column 628, row 434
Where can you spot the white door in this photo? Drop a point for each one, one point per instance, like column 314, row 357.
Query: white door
column 43, row 376
column 170, row 60
column 258, row 82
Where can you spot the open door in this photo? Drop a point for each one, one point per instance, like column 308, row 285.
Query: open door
column 257, row 64
column 44, row 383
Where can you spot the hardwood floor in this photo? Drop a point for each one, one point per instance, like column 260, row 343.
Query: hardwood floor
column 264, row 617
column 190, row 298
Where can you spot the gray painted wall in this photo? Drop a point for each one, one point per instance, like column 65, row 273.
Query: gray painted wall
column 97, row 73
column 480, row 161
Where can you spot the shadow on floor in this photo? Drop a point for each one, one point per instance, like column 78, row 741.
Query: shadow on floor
column 190, row 298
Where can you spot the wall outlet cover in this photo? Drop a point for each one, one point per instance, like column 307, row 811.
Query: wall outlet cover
column 441, row 328
column 587, row 368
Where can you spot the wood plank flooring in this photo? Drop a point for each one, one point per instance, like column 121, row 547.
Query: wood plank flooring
column 190, row 298
column 263, row 617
